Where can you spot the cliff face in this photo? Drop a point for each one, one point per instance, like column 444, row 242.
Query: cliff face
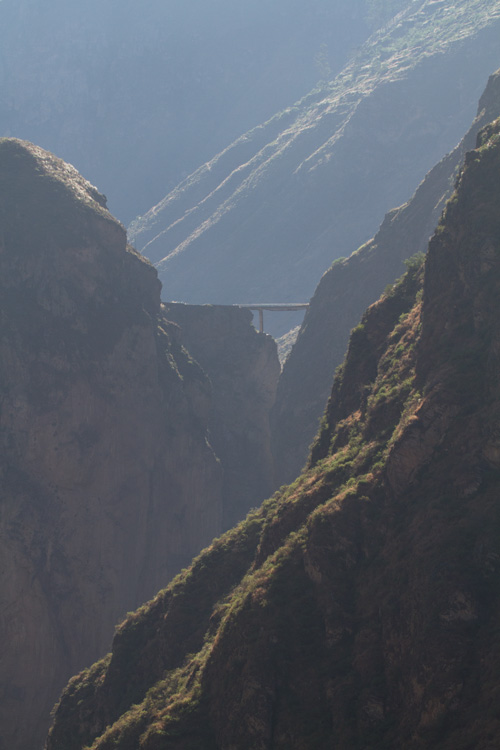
column 108, row 483
column 347, row 289
column 243, row 369
column 267, row 216
column 359, row 607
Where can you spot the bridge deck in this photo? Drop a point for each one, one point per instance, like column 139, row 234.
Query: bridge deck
column 273, row 307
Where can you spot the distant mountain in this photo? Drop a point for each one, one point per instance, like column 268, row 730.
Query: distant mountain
column 266, row 217
column 344, row 292
column 137, row 94
column 359, row 607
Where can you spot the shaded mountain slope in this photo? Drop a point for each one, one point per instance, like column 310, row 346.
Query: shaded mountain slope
column 108, row 484
column 347, row 289
column 359, row 607
column 265, row 218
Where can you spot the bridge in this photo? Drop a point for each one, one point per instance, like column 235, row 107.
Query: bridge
column 274, row 307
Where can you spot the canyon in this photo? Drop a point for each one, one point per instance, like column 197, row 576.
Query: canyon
column 358, row 607
column 142, row 439
column 134, row 432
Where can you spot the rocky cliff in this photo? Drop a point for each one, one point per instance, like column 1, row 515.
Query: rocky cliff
column 358, row 607
column 266, row 217
column 347, row 289
column 243, row 369
column 108, row 484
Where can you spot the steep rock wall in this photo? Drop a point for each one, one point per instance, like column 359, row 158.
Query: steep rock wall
column 346, row 290
column 243, row 368
column 108, row 485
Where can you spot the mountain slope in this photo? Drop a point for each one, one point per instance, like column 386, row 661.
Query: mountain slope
column 359, row 607
column 138, row 95
column 265, row 218
column 347, row 289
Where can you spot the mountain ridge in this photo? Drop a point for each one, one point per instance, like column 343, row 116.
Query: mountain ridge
column 344, row 292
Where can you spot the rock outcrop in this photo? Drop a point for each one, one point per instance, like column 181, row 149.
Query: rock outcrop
column 360, row 606
column 243, row 368
column 347, row 289
column 265, row 218
column 108, row 484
